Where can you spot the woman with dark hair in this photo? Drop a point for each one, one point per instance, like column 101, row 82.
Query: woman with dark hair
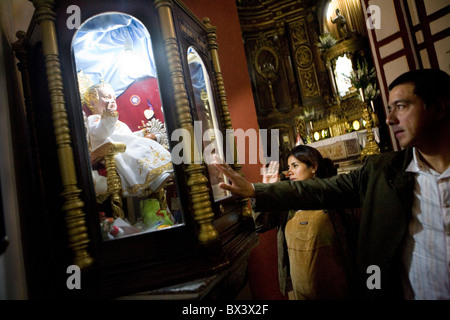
column 311, row 158
column 313, row 248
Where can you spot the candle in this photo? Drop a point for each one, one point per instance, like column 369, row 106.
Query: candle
column 361, row 92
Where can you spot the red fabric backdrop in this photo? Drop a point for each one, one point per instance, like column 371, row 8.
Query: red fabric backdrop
column 141, row 95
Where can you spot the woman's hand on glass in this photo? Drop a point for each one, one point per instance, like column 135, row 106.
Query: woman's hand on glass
column 270, row 173
column 238, row 184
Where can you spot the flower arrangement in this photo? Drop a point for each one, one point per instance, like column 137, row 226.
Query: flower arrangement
column 308, row 114
column 365, row 79
column 371, row 92
column 326, row 41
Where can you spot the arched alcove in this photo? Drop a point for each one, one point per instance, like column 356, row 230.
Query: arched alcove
column 349, row 9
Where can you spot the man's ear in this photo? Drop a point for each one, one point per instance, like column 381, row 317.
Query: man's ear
column 314, row 167
column 441, row 108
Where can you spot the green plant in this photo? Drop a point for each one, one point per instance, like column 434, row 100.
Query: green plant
column 371, row 92
column 365, row 79
column 326, row 41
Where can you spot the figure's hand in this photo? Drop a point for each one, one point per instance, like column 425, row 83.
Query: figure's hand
column 150, row 135
column 111, row 106
column 270, row 174
column 239, row 185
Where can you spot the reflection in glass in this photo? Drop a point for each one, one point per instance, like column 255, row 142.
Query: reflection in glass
column 206, row 112
column 342, row 71
column 124, row 120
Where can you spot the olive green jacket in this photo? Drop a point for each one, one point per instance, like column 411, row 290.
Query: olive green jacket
column 384, row 191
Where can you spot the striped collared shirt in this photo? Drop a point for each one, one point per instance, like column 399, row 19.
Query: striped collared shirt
column 427, row 248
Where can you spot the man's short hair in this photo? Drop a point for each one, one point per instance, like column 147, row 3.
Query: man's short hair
column 429, row 84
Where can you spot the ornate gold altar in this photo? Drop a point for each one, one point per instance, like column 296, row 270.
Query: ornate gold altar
column 294, row 55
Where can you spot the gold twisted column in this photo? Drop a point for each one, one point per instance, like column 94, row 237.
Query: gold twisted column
column 114, row 184
column 212, row 42
column 197, row 182
column 73, row 205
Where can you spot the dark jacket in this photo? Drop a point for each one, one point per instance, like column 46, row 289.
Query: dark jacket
column 384, row 191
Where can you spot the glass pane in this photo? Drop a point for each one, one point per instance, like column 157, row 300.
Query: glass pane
column 207, row 120
column 124, row 119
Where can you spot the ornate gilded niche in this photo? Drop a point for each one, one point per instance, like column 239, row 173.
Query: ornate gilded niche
column 351, row 110
column 286, row 71
column 307, row 98
column 304, row 59
column 282, row 60
column 127, row 105
column 341, row 60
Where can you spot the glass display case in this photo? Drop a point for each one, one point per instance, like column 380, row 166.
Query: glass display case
column 125, row 109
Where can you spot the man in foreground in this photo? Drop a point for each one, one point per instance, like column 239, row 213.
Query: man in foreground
column 404, row 237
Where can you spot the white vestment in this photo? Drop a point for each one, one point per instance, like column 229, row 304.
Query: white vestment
column 144, row 165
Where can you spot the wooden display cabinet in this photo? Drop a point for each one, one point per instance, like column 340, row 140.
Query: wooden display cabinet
column 115, row 237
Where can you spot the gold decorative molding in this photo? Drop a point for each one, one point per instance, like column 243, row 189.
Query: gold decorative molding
column 348, row 46
column 371, row 146
column 267, row 65
column 197, row 182
column 308, row 79
column 212, row 42
column 267, row 14
column 303, row 56
column 73, row 205
column 337, row 119
column 299, row 33
column 114, row 190
column 303, row 59
column 266, row 62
